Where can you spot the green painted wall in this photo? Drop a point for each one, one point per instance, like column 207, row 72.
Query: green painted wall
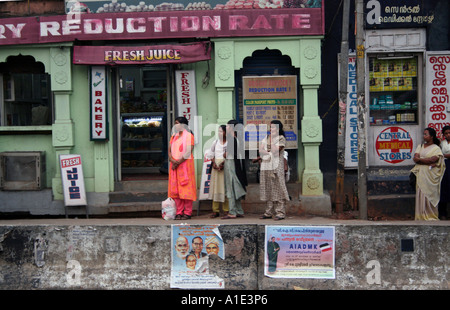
column 71, row 131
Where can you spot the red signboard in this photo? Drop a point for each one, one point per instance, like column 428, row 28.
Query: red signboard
column 123, row 55
column 164, row 24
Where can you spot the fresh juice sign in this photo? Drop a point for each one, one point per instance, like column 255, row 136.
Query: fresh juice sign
column 394, row 145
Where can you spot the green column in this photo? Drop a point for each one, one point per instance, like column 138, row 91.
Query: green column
column 224, row 79
column 311, row 124
column 63, row 128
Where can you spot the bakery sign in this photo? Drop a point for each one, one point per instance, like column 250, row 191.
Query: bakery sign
column 99, row 123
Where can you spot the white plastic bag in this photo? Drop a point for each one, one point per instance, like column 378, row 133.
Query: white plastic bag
column 168, row 209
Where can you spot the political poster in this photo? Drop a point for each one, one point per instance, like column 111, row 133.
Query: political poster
column 192, row 245
column 299, row 252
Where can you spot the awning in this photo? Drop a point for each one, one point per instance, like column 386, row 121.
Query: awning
column 132, row 55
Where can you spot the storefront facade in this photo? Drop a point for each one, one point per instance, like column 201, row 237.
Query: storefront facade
column 406, row 54
column 142, row 63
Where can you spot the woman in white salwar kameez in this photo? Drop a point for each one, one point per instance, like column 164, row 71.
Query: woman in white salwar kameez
column 429, row 170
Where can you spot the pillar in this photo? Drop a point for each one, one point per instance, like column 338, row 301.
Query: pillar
column 224, row 79
column 311, row 124
column 62, row 129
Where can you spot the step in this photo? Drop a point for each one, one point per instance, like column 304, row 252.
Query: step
column 392, row 206
column 389, row 187
column 142, row 186
column 125, row 196
column 130, row 207
column 125, row 207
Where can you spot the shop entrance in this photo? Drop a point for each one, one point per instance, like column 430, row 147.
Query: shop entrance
column 266, row 62
column 144, row 116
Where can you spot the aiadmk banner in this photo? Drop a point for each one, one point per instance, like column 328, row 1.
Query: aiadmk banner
column 299, row 252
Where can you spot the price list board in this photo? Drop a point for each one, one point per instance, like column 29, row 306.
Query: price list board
column 268, row 98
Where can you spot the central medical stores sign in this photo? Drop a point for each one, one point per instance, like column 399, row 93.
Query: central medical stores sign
column 163, row 24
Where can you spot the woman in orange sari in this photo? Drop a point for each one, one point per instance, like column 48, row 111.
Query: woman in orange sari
column 182, row 186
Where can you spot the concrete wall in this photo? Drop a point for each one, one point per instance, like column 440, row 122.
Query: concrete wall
column 137, row 256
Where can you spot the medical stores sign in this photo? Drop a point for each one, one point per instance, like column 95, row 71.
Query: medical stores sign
column 162, row 24
column 394, row 145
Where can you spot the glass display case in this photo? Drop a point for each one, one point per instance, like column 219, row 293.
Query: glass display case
column 394, row 104
column 142, row 142
column 393, row 91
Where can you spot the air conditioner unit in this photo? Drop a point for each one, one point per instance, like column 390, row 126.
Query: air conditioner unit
column 22, row 171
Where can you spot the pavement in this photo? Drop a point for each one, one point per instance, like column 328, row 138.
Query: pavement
column 248, row 219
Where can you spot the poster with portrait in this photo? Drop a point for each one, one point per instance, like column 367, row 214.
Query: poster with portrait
column 192, row 245
column 299, row 252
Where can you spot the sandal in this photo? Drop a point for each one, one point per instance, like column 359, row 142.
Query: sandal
column 186, row 217
column 178, row 217
column 226, row 217
column 265, row 217
column 214, row 215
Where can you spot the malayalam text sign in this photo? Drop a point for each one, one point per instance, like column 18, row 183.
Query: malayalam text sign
column 437, row 91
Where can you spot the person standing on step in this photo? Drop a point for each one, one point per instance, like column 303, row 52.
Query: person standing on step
column 182, row 185
column 272, row 176
column 429, row 170
column 234, row 171
column 217, row 185
column 445, row 183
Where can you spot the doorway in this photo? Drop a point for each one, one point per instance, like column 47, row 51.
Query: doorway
column 145, row 107
column 266, row 62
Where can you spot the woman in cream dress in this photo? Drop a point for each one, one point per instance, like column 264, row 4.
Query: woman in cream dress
column 272, row 180
column 217, row 187
column 429, row 170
